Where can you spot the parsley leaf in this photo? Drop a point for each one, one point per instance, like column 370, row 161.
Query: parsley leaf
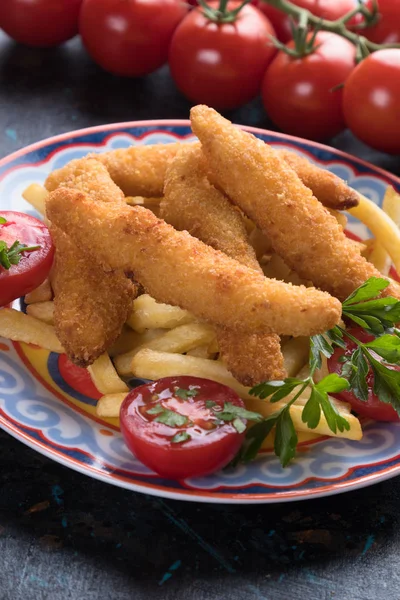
column 357, row 373
column 370, row 289
column 2, row 220
column 181, row 436
column 239, row 425
column 12, row 256
column 386, row 383
column 387, row 346
column 311, row 414
column 285, row 438
column 210, row 403
column 167, row 416
column 319, row 345
column 270, row 388
column 185, row 394
column 332, row 384
column 254, row 439
column 231, row 411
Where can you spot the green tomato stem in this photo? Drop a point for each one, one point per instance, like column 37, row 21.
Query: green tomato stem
column 338, row 26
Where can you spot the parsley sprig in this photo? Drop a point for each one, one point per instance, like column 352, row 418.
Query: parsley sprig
column 12, row 255
column 378, row 317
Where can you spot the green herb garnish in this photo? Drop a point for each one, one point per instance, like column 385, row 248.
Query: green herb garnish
column 12, row 255
column 181, row 436
column 185, row 394
column 2, row 220
column 378, row 316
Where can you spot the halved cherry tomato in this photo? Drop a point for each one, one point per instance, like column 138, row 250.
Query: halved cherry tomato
column 200, row 444
column 34, row 266
column 373, row 408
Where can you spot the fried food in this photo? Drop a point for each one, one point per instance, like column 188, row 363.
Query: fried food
column 193, row 204
column 300, row 229
column 139, row 170
column 329, row 189
column 90, row 305
column 86, row 175
column 178, row 269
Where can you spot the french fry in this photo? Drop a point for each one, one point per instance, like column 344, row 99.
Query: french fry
column 276, row 268
column 36, row 195
column 44, row 311
column 201, row 351
column 149, row 314
column 150, row 364
column 382, row 226
column 20, row 327
column 295, row 354
column 391, row 206
column 43, row 293
column 109, row 405
column 105, row 377
column 180, row 339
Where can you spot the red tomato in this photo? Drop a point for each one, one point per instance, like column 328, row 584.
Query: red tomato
column 210, row 443
column 371, row 101
column 387, row 30
column 221, row 65
column 326, row 9
column 42, row 23
column 129, row 37
column 373, row 408
column 34, row 266
column 299, row 94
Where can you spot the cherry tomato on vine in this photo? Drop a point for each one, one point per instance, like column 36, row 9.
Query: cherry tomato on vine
column 221, row 64
column 42, row 23
column 172, row 426
column 129, row 37
column 387, row 30
column 325, row 9
column 301, row 94
column 33, row 266
column 371, row 100
column 373, row 408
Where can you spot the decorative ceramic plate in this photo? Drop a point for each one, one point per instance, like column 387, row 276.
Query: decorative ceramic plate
column 48, row 405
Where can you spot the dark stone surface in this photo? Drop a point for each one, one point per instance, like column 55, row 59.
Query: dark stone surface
column 65, row 536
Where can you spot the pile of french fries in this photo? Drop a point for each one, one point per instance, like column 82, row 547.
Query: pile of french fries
column 160, row 340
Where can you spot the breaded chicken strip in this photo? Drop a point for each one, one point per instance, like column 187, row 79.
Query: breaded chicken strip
column 139, row 170
column 86, row 175
column 192, row 203
column 178, row 269
column 90, row 305
column 328, row 188
column 300, row 229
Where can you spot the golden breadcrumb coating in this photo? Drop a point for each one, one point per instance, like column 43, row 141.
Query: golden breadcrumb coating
column 190, row 202
column 178, row 269
column 300, row 229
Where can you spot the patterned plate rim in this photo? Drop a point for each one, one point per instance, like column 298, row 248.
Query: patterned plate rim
column 198, row 495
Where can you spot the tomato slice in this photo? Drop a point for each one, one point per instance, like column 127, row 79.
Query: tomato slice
column 34, row 266
column 172, row 426
column 373, row 408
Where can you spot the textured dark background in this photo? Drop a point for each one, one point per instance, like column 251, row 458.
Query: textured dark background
column 65, row 536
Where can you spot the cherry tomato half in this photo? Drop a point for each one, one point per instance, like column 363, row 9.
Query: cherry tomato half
column 42, row 23
column 221, row 64
column 371, row 100
column 301, row 95
column 34, row 266
column 129, row 37
column 200, row 445
column 325, row 9
column 373, row 408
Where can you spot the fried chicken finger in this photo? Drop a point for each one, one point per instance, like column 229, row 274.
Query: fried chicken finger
column 300, row 229
column 192, row 203
column 178, row 269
